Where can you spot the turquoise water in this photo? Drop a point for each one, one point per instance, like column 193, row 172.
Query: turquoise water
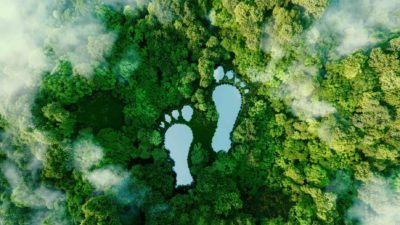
column 178, row 139
column 187, row 112
column 228, row 102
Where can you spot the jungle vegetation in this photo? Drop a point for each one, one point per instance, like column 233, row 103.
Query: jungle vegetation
column 312, row 130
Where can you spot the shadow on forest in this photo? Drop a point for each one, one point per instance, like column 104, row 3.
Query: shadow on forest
column 202, row 128
column 261, row 204
column 98, row 111
column 139, row 161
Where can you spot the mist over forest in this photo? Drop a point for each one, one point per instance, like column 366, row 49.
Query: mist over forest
column 91, row 90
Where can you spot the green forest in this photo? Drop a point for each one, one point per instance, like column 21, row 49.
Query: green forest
column 317, row 139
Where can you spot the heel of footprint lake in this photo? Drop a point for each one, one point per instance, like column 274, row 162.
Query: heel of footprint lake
column 227, row 98
column 228, row 101
column 178, row 140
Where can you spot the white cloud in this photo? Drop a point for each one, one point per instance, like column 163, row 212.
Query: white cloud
column 300, row 93
column 21, row 58
column 85, row 42
column 377, row 203
column 86, row 154
column 109, row 178
column 161, row 11
column 26, row 26
column 106, row 178
column 356, row 22
column 87, row 157
column 24, row 194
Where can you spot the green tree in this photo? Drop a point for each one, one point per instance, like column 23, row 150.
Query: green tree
column 316, row 175
column 57, row 164
column 101, row 210
column 62, row 119
column 63, row 86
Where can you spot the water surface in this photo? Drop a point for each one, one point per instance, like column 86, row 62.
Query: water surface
column 228, row 102
column 178, row 140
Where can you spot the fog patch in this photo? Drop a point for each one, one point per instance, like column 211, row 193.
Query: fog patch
column 211, row 16
column 376, row 203
column 325, row 132
column 126, row 192
column 294, row 80
column 298, row 87
column 128, row 64
column 21, row 57
column 341, row 184
column 33, row 151
column 304, row 103
column 27, row 27
column 82, row 39
column 357, row 24
column 88, row 156
column 300, row 93
column 270, row 44
column 105, row 178
column 22, row 194
column 162, row 10
column 46, row 202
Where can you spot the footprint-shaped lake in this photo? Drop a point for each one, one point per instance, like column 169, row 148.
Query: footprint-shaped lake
column 178, row 139
column 228, row 102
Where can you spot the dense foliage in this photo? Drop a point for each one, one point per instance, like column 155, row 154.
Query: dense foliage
column 289, row 164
